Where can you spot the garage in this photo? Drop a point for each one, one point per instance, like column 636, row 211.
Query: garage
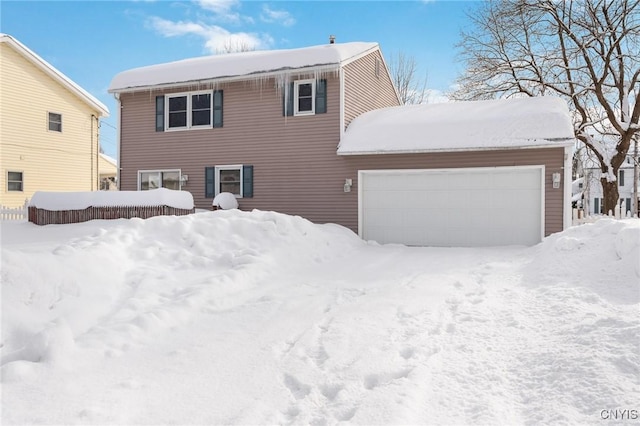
column 453, row 207
column 462, row 174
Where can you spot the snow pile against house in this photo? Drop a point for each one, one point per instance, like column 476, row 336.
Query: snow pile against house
column 460, row 126
column 244, row 65
column 57, row 201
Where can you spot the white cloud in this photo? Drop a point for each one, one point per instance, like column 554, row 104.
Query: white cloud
column 222, row 9
column 277, row 16
column 216, row 39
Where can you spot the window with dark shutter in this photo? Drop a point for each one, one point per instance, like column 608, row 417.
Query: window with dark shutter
column 217, row 108
column 321, row 96
column 247, row 184
column 159, row 113
column 287, row 101
column 621, row 180
column 210, row 182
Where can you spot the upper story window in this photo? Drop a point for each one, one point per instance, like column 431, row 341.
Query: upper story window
column 621, row 180
column 305, row 97
column 55, row 122
column 192, row 110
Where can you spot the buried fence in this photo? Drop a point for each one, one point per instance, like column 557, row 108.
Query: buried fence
column 579, row 216
column 49, row 217
column 13, row 213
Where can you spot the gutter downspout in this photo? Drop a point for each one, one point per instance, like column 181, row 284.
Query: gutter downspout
column 91, row 158
column 118, row 132
column 566, row 199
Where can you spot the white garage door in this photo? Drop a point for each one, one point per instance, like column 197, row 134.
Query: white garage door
column 453, row 207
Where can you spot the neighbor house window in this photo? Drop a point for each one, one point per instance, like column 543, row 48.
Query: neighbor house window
column 192, row 110
column 55, row 122
column 236, row 179
column 154, row 179
column 621, row 180
column 14, row 181
column 305, row 97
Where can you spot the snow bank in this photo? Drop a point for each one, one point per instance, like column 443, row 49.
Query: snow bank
column 57, row 201
column 601, row 257
column 234, row 317
column 460, row 126
column 249, row 64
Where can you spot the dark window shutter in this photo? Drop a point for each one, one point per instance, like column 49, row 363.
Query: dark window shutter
column 287, row 101
column 247, row 181
column 210, row 182
column 596, row 206
column 217, row 108
column 621, row 180
column 159, row 113
column 321, row 96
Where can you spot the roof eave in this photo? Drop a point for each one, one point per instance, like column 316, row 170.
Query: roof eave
column 559, row 144
column 330, row 67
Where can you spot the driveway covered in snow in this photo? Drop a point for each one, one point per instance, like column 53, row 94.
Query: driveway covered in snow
column 231, row 317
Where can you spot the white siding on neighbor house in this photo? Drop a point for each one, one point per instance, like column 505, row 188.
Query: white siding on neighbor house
column 49, row 160
column 592, row 190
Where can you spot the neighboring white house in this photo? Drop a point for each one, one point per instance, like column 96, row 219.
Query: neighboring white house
column 591, row 189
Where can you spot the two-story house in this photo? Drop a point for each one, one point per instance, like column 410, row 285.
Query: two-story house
column 266, row 126
column 49, row 145
column 590, row 189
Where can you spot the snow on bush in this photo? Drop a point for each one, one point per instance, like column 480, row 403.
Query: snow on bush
column 57, row 201
column 225, row 201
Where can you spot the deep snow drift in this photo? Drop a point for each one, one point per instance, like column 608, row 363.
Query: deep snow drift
column 231, row 317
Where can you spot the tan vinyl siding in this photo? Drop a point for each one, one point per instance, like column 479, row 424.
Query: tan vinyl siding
column 49, row 160
column 551, row 158
column 296, row 168
column 363, row 91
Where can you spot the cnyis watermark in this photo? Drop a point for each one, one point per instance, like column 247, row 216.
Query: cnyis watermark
column 619, row 414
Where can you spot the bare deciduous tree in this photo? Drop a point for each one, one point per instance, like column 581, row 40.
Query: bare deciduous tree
column 585, row 51
column 404, row 72
column 235, row 46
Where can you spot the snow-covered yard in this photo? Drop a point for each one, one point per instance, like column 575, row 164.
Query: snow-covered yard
column 233, row 317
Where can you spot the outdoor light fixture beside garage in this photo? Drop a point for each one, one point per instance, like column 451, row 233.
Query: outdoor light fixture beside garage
column 347, row 185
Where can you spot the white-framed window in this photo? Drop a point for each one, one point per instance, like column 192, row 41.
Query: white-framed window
column 304, row 97
column 55, row 122
column 15, row 181
column 154, row 179
column 191, row 110
column 229, row 179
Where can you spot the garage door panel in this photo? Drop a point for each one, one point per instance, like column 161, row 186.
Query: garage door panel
column 456, row 207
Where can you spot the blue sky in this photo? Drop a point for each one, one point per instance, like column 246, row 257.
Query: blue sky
column 91, row 41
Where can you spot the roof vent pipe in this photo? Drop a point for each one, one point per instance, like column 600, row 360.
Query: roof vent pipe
column 332, row 39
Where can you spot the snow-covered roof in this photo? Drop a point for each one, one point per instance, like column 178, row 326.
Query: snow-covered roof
column 51, row 71
column 256, row 64
column 461, row 126
column 57, row 201
column 109, row 159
